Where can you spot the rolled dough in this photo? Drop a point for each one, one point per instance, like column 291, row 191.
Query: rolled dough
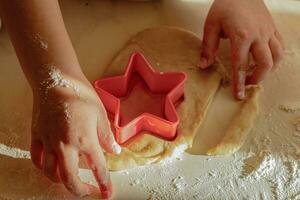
column 238, row 129
column 170, row 49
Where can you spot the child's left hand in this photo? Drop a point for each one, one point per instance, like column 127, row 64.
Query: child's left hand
column 250, row 28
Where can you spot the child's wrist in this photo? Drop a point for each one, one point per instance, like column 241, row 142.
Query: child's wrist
column 53, row 79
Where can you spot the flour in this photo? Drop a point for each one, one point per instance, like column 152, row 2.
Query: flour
column 176, row 154
column 297, row 125
column 256, row 173
column 296, row 134
column 135, row 182
column 56, row 79
column 116, row 147
column 290, row 108
column 125, row 172
column 179, row 184
column 41, row 43
column 265, row 168
column 14, row 152
column 66, row 111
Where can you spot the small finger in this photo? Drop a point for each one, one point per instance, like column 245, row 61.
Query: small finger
column 280, row 39
column 239, row 60
column 264, row 62
column 106, row 136
column 68, row 160
column 36, row 151
column 276, row 50
column 97, row 164
column 50, row 166
column 211, row 40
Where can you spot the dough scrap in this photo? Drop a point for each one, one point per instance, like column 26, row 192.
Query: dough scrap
column 238, row 129
column 168, row 49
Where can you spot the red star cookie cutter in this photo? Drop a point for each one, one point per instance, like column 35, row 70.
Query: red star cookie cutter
column 164, row 87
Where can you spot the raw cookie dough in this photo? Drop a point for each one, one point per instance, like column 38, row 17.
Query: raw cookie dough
column 168, row 49
column 238, row 129
column 173, row 49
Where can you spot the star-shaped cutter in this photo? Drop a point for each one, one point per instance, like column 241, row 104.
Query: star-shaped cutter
column 111, row 89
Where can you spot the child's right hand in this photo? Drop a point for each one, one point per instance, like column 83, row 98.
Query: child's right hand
column 67, row 126
column 250, row 28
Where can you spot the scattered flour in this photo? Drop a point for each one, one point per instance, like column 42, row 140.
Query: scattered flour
column 176, row 154
column 14, row 152
column 290, row 108
column 135, row 182
column 297, row 125
column 55, row 79
column 264, row 171
column 125, row 172
column 268, row 168
column 66, row 110
column 265, row 168
column 179, row 184
column 40, row 42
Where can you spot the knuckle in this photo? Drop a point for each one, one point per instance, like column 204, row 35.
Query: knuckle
column 74, row 188
column 84, row 142
column 278, row 58
column 267, row 63
column 242, row 35
column 279, row 54
column 277, row 34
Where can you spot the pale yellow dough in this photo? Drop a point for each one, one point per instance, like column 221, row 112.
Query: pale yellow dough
column 238, row 129
column 169, row 49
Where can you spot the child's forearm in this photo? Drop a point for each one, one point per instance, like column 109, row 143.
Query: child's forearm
column 39, row 36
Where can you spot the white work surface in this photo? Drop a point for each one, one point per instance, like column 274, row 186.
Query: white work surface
column 267, row 166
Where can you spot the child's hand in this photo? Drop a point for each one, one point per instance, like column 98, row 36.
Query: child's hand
column 250, row 28
column 68, row 124
column 69, row 120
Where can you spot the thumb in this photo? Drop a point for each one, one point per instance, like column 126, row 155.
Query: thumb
column 106, row 136
column 211, row 40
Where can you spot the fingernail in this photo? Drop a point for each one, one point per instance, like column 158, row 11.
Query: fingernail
column 105, row 191
column 202, row 63
column 85, row 193
column 241, row 89
column 116, row 147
